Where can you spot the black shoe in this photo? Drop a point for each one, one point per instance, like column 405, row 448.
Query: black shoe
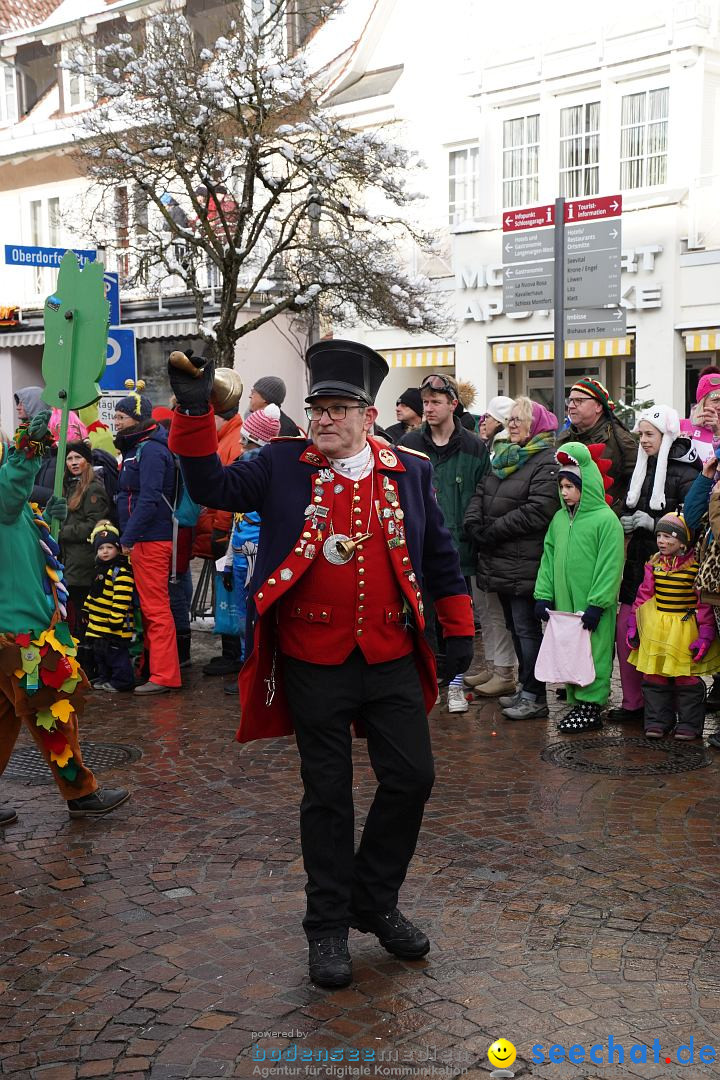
column 394, row 932
column 100, row 802
column 583, row 716
column 624, row 716
column 329, row 962
column 222, row 665
column 714, row 740
column 231, row 689
column 8, row 816
column 561, row 694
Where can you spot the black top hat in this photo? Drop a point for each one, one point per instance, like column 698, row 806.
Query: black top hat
column 345, row 369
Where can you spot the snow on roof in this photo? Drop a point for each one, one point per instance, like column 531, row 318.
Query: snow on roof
column 22, row 14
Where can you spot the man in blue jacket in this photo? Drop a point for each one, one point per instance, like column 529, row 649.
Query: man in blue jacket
column 350, row 532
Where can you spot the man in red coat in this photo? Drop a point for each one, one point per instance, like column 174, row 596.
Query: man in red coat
column 351, row 532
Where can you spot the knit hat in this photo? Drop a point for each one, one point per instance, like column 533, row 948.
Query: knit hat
column 667, row 422
column 413, row 399
column 595, row 390
column 81, row 448
column 571, row 473
column 271, row 388
column 262, row 425
column 706, row 384
column 542, row 420
column 500, row 408
column 674, row 525
column 104, row 533
column 135, row 405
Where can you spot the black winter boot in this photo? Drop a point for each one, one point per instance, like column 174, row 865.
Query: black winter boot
column 690, row 705
column 659, row 710
column 183, row 647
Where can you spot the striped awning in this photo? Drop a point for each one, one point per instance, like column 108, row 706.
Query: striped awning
column 402, row 358
column 702, row 341
column 16, row 338
column 525, row 352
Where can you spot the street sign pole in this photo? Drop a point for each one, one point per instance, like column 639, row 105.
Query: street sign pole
column 559, row 313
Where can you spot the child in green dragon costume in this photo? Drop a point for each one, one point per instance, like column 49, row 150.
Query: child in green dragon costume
column 581, row 571
column 41, row 682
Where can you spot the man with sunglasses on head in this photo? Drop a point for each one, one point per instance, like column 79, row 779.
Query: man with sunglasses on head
column 351, row 534
column 459, row 459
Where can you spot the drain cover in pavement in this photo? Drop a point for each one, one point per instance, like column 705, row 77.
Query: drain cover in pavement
column 622, row 755
column 27, row 763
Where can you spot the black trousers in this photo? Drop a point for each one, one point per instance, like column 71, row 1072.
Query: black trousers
column 112, row 663
column 324, row 701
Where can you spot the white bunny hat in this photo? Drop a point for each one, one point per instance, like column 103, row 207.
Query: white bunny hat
column 667, row 421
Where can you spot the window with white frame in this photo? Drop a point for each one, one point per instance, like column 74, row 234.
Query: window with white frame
column 644, row 138
column 580, row 150
column 521, row 145
column 8, row 94
column 45, row 231
column 464, row 185
column 77, row 86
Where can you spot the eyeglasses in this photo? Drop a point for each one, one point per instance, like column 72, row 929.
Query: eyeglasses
column 335, row 412
column 437, row 382
column 514, row 420
column 577, row 400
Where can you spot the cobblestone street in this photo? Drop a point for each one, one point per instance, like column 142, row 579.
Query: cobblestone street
column 565, row 905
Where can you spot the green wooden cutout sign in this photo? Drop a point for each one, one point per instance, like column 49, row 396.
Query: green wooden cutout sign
column 76, row 328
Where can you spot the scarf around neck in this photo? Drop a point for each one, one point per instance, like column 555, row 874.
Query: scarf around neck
column 511, row 456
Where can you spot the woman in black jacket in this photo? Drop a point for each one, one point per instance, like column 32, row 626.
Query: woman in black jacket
column 507, row 519
column 665, row 470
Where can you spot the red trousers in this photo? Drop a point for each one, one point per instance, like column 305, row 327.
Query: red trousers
column 17, row 707
column 151, row 563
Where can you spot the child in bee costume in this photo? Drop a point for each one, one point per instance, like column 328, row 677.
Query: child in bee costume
column 673, row 636
column 109, row 611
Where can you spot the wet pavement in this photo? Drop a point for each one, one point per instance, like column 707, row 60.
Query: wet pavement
column 567, row 904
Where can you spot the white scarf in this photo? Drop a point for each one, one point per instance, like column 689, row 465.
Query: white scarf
column 356, row 467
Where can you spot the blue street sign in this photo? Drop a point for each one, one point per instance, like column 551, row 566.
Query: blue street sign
column 112, row 295
column 121, row 359
column 22, row 255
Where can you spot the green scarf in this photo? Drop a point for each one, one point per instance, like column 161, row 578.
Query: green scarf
column 511, row 456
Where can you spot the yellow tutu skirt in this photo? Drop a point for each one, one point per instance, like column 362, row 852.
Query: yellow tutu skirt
column 665, row 641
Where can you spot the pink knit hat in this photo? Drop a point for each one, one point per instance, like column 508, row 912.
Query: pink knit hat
column 706, row 385
column 262, row 425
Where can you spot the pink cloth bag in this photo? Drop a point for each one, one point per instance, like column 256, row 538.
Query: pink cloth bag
column 566, row 653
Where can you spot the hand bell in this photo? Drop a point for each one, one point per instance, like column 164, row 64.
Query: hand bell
column 227, row 390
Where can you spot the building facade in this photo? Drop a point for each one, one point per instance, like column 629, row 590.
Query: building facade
column 532, row 105
column 42, row 187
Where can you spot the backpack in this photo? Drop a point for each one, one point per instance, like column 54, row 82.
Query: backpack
column 106, row 469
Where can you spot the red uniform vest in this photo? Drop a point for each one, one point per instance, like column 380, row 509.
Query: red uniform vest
column 334, row 609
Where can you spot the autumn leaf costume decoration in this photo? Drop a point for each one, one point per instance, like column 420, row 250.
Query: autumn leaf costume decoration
column 42, row 658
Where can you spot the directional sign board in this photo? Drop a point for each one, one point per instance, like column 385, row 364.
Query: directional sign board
column 591, row 209
column 529, row 286
column 528, row 244
column 528, row 249
column 595, row 322
column 592, row 252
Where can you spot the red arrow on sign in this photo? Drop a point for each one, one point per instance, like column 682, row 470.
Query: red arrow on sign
column 592, row 209
column 531, row 217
